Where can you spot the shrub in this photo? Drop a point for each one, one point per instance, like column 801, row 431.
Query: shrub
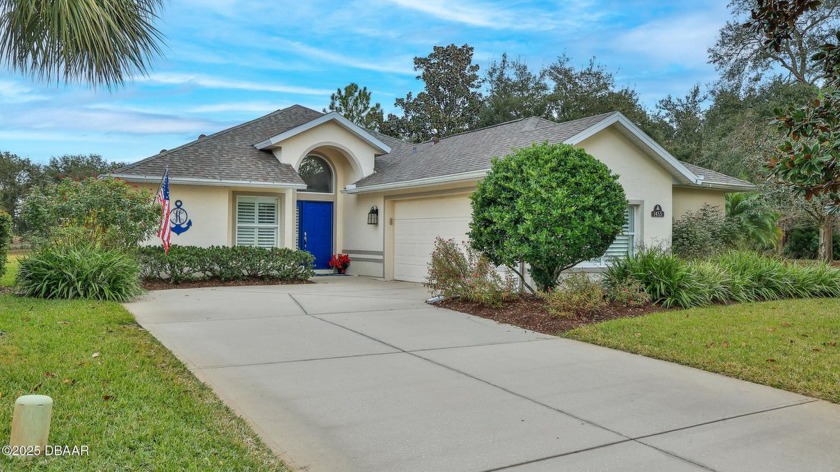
column 5, row 239
column 465, row 273
column 756, row 221
column 704, row 232
column 575, row 296
column 105, row 212
column 224, row 263
column 804, row 243
column 629, row 293
column 550, row 206
column 79, row 272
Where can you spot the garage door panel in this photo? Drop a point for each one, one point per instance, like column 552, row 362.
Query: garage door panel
column 416, row 225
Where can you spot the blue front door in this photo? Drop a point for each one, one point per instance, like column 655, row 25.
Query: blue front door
column 315, row 230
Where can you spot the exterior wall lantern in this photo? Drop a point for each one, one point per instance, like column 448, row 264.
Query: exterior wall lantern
column 373, row 216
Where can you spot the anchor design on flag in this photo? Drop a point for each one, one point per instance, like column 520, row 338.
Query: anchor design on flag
column 180, row 219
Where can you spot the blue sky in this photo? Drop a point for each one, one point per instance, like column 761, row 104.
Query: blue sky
column 228, row 61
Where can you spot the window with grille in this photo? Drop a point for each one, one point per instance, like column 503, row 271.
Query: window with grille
column 257, row 221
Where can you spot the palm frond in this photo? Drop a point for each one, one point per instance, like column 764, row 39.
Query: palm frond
column 98, row 42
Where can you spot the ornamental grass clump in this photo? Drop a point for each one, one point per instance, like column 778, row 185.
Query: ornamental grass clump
column 736, row 276
column 665, row 277
column 59, row 271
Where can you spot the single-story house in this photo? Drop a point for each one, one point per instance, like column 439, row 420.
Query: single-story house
column 299, row 178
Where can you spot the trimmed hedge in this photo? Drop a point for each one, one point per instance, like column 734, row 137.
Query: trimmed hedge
column 5, row 239
column 79, row 272
column 224, row 263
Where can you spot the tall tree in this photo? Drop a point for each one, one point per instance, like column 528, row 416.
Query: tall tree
column 451, row 100
column 685, row 116
column 513, row 92
column 78, row 167
column 808, row 161
column 742, row 54
column 354, row 104
column 101, row 43
column 578, row 93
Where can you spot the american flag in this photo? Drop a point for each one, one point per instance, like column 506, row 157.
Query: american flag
column 165, row 229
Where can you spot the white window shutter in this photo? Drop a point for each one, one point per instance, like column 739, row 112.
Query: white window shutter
column 257, row 221
column 624, row 243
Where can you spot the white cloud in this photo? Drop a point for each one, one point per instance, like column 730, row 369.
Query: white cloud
column 110, row 121
column 683, row 40
column 218, row 83
column 573, row 13
column 398, row 65
column 256, row 107
column 14, row 92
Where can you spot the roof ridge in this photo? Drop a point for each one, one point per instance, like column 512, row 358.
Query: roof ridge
column 214, row 135
column 476, row 130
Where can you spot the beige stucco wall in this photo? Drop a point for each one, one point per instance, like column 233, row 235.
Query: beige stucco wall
column 690, row 199
column 645, row 183
column 360, row 154
column 211, row 210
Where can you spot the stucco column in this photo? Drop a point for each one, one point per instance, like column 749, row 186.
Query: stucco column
column 289, row 211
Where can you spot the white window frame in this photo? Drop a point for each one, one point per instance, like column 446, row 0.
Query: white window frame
column 256, row 225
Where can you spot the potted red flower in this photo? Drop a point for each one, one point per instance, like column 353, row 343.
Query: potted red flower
column 340, row 262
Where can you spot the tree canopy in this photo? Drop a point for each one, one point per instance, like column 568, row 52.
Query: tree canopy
column 450, row 101
column 354, row 103
column 549, row 206
column 744, row 56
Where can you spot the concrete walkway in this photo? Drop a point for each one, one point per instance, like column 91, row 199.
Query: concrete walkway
column 354, row 374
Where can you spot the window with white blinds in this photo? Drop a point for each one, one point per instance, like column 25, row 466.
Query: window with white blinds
column 625, row 242
column 256, row 221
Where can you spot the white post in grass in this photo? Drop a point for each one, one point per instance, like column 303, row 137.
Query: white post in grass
column 31, row 425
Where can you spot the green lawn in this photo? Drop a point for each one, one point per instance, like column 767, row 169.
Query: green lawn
column 8, row 279
column 116, row 390
column 791, row 344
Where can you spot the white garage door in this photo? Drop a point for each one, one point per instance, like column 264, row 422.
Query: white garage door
column 417, row 223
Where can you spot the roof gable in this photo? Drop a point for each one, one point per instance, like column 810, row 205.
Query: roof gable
column 353, row 128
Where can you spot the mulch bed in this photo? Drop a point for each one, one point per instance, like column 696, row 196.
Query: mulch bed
column 162, row 285
column 530, row 312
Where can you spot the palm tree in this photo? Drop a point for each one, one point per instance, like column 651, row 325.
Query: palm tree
column 757, row 221
column 98, row 42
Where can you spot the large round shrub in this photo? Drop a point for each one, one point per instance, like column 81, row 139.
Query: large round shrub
column 107, row 212
column 550, row 206
column 60, row 271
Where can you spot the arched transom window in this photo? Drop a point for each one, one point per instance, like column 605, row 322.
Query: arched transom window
column 317, row 175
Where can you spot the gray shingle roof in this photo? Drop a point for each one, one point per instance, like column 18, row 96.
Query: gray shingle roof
column 230, row 154
column 470, row 151
column 714, row 177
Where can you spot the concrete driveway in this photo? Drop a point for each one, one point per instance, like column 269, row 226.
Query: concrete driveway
column 355, row 374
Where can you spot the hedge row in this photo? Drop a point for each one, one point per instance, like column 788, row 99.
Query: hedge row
column 191, row 263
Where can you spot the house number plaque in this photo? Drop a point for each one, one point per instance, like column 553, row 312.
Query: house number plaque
column 657, row 212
